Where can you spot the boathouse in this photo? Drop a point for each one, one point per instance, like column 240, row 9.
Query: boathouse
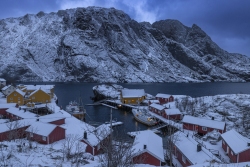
column 236, row 146
column 148, row 148
column 188, row 151
column 164, row 98
column 202, row 126
column 96, row 138
column 172, row 113
column 132, row 96
column 157, row 108
column 45, row 133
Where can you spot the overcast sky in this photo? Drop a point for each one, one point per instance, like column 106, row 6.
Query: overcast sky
column 227, row 22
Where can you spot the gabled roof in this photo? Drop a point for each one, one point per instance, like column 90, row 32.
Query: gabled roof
column 133, row 92
column 6, row 87
column 95, row 136
column 157, row 106
column 172, row 111
column 20, row 92
column 52, row 117
column 153, row 142
column 236, row 141
column 45, row 91
column 188, row 146
column 161, row 95
column 40, row 128
column 203, row 122
column 21, row 113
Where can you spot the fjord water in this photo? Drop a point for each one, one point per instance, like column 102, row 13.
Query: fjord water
column 67, row 92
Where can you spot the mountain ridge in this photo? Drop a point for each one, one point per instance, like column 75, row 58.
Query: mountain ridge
column 97, row 44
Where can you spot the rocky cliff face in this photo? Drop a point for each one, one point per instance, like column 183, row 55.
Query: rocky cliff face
column 105, row 45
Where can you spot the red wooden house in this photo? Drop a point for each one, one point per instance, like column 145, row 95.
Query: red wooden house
column 17, row 113
column 172, row 113
column 45, row 133
column 202, row 126
column 55, row 118
column 164, row 98
column 153, row 101
column 157, row 108
column 236, row 146
column 96, row 138
column 146, row 151
column 189, row 152
column 3, row 108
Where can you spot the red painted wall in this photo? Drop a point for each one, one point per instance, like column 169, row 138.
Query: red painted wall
column 244, row 156
column 172, row 117
column 58, row 122
column 3, row 111
column 178, row 155
column 193, row 126
column 20, row 134
column 146, row 158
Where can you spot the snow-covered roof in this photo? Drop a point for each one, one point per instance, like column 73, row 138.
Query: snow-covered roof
column 172, row 111
column 21, row 113
column 153, row 142
column 41, row 128
column 214, row 164
column 98, row 134
column 157, row 106
column 6, row 87
column 161, row 95
column 188, row 146
column 133, row 92
column 4, row 127
column 35, row 87
column 204, row 122
column 7, row 105
column 154, row 101
column 236, row 141
column 2, row 79
column 52, row 117
column 45, row 91
column 20, row 92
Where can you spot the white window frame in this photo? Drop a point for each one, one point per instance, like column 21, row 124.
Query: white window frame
column 15, row 94
column 204, row 128
column 232, row 152
column 44, row 138
column 31, row 134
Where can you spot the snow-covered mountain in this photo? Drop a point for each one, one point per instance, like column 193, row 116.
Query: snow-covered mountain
column 105, row 45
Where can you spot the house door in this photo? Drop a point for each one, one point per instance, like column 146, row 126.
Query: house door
column 196, row 128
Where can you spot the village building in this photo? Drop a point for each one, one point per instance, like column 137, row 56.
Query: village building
column 188, row 152
column 164, row 98
column 2, row 82
column 4, row 107
column 55, row 118
column 38, row 96
column 172, row 114
column 8, row 89
column 236, row 146
column 148, row 148
column 45, row 133
column 16, row 113
column 132, row 96
column 16, row 96
column 96, row 138
column 202, row 126
column 157, row 108
column 28, row 89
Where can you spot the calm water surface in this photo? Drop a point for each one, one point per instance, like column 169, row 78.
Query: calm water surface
column 72, row 91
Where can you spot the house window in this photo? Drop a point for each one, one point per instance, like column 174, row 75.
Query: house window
column 11, row 98
column 232, row 153
column 14, row 94
column 33, row 97
column 18, row 98
column 44, row 138
column 204, row 128
column 47, row 101
column 31, row 134
column 98, row 146
column 223, row 142
column 183, row 159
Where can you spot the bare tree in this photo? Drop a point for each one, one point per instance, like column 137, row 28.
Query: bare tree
column 15, row 131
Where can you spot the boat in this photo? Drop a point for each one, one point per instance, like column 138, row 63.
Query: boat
column 75, row 109
column 144, row 117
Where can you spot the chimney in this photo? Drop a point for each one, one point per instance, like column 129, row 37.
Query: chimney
column 198, row 147
column 144, row 146
column 212, row 118
column 85, row 135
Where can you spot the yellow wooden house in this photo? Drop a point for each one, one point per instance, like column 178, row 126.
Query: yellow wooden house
column 132, row 96
column 16, row 96
column 28, row 89
column 39, row 96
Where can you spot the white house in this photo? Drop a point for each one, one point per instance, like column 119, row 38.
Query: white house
column 8, row 89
